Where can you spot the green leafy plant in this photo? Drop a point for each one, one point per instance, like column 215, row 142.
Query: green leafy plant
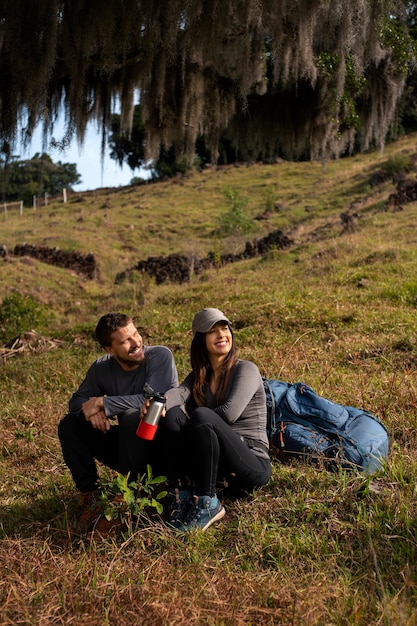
column 19, row 313
column 25, row 433
column 397, row 164
column 269, row 199
column 127, row 500
column 235, row 220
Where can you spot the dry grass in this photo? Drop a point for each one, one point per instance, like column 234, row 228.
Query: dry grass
column 336, row 310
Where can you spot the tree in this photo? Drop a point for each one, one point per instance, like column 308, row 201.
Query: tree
column 37, row 176
column 128, row 147
column 406, row 119
column 298, row 75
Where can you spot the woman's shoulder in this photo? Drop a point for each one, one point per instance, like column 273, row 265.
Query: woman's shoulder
column 249, row 366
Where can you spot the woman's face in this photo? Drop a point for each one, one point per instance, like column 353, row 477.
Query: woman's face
column 219, row 340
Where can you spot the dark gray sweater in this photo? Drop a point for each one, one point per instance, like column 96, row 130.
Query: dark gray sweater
column 124, row 390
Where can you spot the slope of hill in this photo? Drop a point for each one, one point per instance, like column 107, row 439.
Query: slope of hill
column 336, row 308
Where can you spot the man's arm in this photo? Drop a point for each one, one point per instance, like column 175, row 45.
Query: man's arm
column 159, row 371
column 90, row 387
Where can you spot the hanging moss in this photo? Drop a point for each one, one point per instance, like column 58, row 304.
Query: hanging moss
column 274, row 73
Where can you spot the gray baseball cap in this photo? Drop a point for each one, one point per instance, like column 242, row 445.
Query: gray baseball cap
column 206, row 318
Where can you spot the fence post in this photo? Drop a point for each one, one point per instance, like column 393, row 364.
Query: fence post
column 34, row 202
column 21, row 207
column 46, row 199
column 64, row 192
column 5, row 211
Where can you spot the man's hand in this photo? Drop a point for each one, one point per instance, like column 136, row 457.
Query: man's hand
column 99, row 421
column 92, row 406
column 93, row 410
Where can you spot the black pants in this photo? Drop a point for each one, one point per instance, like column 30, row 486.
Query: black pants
column 206, row 449
column 119, row 448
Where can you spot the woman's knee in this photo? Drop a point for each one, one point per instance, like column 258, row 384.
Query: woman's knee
column 174, row 420
column 202, row 416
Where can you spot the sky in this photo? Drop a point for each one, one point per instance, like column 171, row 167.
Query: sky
column 87, row 158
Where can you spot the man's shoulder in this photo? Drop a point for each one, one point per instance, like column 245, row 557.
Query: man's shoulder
column 105, row 359
column 101, row 364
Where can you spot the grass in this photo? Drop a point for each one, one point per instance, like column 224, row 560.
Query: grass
column 336, row 310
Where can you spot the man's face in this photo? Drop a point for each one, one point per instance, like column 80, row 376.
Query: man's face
column 127, row 347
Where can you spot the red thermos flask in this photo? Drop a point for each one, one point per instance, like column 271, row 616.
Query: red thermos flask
column 149, row 423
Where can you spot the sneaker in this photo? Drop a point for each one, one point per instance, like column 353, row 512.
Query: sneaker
column 91, row 511
column 204, row 513
column 181, row 502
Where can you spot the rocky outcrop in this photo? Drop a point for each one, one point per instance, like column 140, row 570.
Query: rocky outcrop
column 179, row 268
column 79, row 263
column 406, row 192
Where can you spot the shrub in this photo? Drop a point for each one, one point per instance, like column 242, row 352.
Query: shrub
column 19, row 313
column 235, row 221
column 397, row 164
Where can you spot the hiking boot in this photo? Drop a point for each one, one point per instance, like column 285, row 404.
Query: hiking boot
column 203, row 513
column 105, row 527
column 179, row 507
column 108, row 528
column 91, row 511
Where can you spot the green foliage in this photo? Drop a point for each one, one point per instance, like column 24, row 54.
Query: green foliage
column 129, row 147
column 19, row 313
column 21, row 180
column 269, row 199
column 398, row 37
column 404, row 294
column 119, row 497
column 397, row 164
column 235, row 221
column 328, row 65
column 27, row 433
column 168, row 165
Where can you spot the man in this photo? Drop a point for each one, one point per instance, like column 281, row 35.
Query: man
column 113, row 386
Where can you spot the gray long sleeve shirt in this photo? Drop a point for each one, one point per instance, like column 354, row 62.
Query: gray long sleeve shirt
column 124, row 389
column 244, row 407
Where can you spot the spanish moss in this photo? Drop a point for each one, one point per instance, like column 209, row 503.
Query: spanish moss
column 295, row 76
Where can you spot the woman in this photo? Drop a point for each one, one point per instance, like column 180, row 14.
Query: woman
column 222, row 434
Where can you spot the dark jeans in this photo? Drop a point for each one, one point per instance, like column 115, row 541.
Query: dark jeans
column 119, row 448
column 207, row 450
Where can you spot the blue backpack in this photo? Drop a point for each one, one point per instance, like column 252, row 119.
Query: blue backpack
column 301, row 422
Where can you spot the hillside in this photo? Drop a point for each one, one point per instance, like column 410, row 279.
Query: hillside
column 335, row 308
column 121, row 227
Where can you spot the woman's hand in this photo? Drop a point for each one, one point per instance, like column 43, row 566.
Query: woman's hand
column 144, row 408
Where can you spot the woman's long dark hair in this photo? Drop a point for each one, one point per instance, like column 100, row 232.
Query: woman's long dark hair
column 201, row 367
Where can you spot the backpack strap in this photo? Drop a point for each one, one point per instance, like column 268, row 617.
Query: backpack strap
column 270, row 407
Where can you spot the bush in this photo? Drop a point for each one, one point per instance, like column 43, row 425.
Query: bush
column 235, row 221
column 398, row 164
column 19, row 313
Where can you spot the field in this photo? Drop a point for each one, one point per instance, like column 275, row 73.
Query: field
column 335, row 309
